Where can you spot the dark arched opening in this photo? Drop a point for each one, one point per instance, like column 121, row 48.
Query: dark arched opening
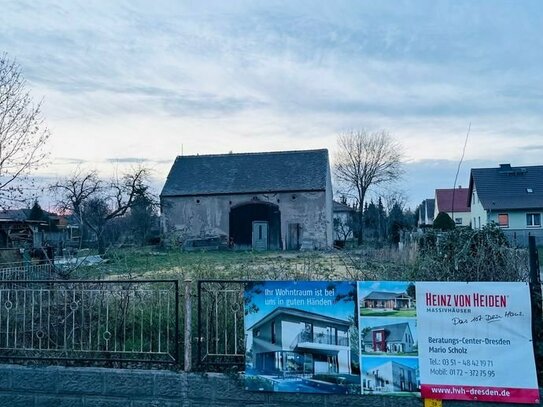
column 256, row 225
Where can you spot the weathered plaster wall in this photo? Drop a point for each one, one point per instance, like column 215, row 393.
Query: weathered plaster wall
column 329, row 208
column 209, row 215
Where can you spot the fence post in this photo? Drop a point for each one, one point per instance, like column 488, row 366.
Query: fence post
column 535, row 276
column 536, row 297
column 188, row 326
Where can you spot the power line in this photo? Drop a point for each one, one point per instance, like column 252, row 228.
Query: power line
column 458, row 169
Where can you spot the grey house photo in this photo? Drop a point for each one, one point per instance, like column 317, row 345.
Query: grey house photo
column 392, row 338
column 387, row 301
column 292, row 342
column 390, row 375
column 301, row 337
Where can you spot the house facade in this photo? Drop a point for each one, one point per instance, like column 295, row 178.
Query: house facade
column 294, row 342
column 426, row 213
column 454, row 202
column 387, row 301
column 391, row 338
column 271, row 200
column 390, row 377
column 344, row 217
column 510, row 197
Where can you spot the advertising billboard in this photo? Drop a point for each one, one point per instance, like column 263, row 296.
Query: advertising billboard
column 472, row 336
column 301, row 337
column 438, row 340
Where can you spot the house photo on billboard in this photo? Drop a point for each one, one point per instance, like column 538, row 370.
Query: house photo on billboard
column 390, row 375
column 388, row 301
column 391, row 338
column 298, row 337
column 295, row 342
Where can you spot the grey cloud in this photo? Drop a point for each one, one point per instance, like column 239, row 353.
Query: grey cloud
column 532, row 147
column 69, row 160
column 126, row 160
column 135, row 160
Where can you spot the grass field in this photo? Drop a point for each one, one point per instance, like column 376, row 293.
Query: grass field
column 176, row 264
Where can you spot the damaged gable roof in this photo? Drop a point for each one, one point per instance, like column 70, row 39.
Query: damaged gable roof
column 507, row 187
column 282, row 171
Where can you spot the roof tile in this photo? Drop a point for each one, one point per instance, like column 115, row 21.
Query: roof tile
column 248, row 173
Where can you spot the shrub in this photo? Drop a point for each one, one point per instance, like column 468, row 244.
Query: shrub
column 443, row 222
column 464, row 254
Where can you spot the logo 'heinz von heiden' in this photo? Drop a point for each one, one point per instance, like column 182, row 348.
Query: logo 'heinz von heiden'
column 466, row 300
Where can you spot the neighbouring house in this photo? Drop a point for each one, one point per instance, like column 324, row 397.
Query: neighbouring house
column 391, row 338
column 511, row 197
column 17, row 230
column 390, row 377
column 387, row 301
column 344, row 217
column 426, row 213
column 454, row 202
column 293, row 342
column 269, row 200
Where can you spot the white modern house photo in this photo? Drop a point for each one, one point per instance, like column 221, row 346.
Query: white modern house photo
column 389, row 375
column 293, row 342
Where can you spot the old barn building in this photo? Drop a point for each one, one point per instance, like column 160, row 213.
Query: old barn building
column 271, row 200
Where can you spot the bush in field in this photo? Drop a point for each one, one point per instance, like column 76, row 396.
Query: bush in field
column 464, row 254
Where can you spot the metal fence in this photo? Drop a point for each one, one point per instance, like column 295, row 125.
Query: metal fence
column 135, row 321
column 20, row 271
column 221, row 334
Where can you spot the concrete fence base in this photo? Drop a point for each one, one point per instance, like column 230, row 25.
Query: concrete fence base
column 62, row 387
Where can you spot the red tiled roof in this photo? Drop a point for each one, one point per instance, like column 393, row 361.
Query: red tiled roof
column 444, row 200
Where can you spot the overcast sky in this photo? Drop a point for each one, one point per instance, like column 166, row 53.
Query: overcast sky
column 124, row 81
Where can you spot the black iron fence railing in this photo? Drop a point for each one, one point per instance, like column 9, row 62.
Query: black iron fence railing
column 221, row 336
column 84, row 320
column 29, row 271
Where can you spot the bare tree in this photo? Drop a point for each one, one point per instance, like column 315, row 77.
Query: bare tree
column 343, row 227
column 392, row 198
column 22, row 131
column 96, row 202
column 75, row 189
column 364, row 160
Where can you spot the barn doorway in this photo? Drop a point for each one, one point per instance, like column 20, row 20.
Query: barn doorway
column 256, row 225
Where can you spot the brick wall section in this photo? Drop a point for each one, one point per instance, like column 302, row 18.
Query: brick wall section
column 100, row 387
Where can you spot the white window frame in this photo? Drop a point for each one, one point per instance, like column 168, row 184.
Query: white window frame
column 533, row 215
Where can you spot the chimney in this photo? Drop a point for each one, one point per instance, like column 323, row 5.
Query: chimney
column 505, row 167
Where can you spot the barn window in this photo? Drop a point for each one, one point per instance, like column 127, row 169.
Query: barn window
column 197, row 201
column 293, row 196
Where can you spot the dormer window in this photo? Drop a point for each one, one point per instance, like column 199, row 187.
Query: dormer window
column 529, row 190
